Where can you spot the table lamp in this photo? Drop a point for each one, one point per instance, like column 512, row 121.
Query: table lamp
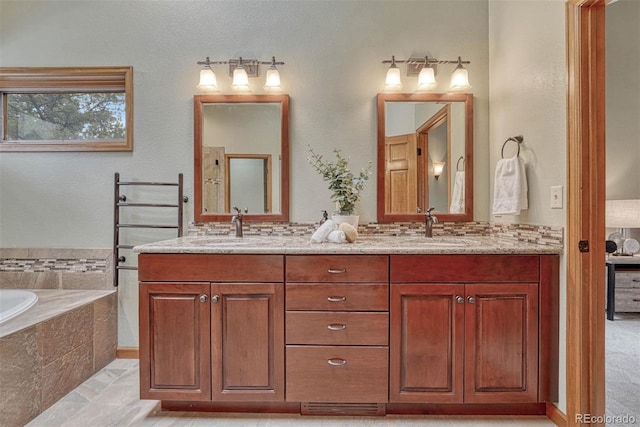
column 623, row 214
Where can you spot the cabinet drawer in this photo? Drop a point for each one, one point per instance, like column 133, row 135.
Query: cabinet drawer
column 464, row 268
column 627, row 280
column 627, row 300
column 337, row 268
column 210, row 268
column 337, row 374
column 337, row 328
column 337, row 296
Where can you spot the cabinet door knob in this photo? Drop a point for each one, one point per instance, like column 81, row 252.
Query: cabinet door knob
column 215, row 299
column 471, row 299
column 203, row 298
column 336, row 299
column 337, row 362
column 336, row 271
column 336, row 327
column 459, row 299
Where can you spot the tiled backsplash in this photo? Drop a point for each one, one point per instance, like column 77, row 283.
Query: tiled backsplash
column 92, row 268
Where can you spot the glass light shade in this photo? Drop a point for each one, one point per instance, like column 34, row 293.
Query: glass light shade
column 622, row 213
column 272, row 82
column 393, row 81
column 460, row 79
column 426, row 79
column 438, row 167
column 240, row 79
column 208, row 82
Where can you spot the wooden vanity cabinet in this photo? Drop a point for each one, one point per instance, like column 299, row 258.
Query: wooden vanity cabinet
column 218, row 339
column 473, row 329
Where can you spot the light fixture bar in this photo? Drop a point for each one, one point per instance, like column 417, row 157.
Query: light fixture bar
column 240, row 69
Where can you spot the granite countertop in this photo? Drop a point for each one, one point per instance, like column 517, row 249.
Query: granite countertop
column 365, row 244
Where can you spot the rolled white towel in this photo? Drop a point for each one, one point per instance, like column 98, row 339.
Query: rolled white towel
column 320, row 235
column 337, row 236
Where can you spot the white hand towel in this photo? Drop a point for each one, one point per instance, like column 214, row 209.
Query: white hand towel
column 510, row 187
column 337, row 236
column 320, row 235
column 457, row 195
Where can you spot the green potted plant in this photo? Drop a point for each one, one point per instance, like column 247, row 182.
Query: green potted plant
column 346, row 187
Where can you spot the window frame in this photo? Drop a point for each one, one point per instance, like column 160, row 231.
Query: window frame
column 15, row 80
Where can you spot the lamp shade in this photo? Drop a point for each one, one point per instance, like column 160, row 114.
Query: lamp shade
column 272, row 82
column 438, row 167
column 623, row 213
column 240, row 79
column 426, row 79
column 208, row 81
column 393, row 81
column 460, row 78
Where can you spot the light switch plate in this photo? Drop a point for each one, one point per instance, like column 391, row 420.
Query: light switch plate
column 556, row 197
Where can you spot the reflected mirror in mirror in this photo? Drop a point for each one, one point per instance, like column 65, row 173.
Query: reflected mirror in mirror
column 241, row 156
column 425, row 147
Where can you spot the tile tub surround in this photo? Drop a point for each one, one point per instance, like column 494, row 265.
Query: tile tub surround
column 56, row 268
column 55, row 346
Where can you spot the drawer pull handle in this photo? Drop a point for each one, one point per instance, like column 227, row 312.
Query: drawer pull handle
column 335, row 271
column 459, row 299
column 636, row 300
column 636, row 280
column 336, row 327
column 337, row 362
column 336, row 299
column 471, row 299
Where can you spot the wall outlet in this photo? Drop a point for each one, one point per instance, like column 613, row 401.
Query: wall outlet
column 556, row 197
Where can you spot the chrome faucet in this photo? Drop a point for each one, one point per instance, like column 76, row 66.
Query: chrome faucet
column 429, row 220
column 237, row 220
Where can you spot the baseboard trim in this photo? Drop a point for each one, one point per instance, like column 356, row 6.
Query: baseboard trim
column 556, row 415
column 127, row 353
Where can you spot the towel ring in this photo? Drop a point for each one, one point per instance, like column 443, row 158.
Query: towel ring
column 518, row 139
column 458, row 164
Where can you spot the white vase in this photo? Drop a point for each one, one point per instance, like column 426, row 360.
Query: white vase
column 349, row 219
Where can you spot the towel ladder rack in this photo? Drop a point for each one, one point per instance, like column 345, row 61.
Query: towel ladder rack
column 517, row 139
column 120, row 201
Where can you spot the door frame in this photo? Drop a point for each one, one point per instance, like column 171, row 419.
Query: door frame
column 586, row 179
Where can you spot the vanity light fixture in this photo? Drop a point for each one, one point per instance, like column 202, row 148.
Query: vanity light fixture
column 425, row 68
column 438, row 167
column 241, row 70
column 393, row 83
column 208, row 82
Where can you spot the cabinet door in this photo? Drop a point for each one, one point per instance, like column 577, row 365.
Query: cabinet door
column 501, row 348
column 247, row 337
column 427, row 338
column 174, row 341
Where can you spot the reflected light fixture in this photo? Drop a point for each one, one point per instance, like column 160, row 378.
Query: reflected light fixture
column 438, row 167
column 393, row 82
column 241, row 70
column 425, row 69
column 272, row 82
column 208, row 82
column 460, row 77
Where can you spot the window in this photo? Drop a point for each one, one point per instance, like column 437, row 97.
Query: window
column 67, row 109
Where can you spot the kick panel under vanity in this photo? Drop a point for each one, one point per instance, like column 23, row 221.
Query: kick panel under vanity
column 311, row 330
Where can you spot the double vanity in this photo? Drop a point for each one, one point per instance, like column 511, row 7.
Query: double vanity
column 384, row 325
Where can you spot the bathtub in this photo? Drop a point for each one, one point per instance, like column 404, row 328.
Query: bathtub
column 15, row 301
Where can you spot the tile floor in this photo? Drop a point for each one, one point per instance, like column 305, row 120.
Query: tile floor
column 110, row 398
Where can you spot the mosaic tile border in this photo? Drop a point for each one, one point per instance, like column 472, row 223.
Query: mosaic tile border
column 539, row 234
column 40, row 265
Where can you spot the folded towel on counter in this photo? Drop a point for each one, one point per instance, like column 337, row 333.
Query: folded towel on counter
column 337, row 236
column 331, row 232
column 321, row 234
column 510, row 187
column 457, row 195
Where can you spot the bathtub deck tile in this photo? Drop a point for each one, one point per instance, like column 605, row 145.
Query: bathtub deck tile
column 105, row 330
column 66, row 373
column 66, row 332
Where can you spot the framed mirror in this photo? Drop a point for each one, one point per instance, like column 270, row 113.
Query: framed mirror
column 241, row 157
column 425, row 156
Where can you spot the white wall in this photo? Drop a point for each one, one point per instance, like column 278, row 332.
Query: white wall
column 332, row 50
column 528, row 97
